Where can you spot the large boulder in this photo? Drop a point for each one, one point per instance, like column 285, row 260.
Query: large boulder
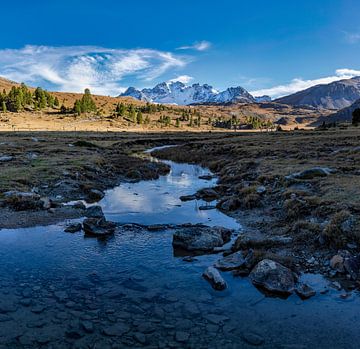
column 273, row 277
column 98, row 227
column 214, row 278
column 201, row 238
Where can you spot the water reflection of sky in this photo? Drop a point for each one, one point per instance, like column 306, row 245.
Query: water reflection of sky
column 157, row 201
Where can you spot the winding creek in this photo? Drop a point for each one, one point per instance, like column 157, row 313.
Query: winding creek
column 60, row 290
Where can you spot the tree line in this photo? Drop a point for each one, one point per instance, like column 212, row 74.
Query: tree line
column 20, row 98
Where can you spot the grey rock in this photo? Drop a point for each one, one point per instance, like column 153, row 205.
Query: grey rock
column 94, row 212
column 273, row 277
column 206, row 177
column 98, row 227
column 229, row 204
column 253, row 338
column 188, row 197
column 207, row 194
column 207, row 207
column 257, row 240
column 214, row 278
column 337, row 263
column 45, row 202
column 6, row 158
column 73, row 228
column 233, row 261
column 260, row 189
column 311, row 173
column 304, row 291
column 95, row 195
column 201, row 238
column 352, row 266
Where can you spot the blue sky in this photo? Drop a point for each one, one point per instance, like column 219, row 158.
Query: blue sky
column 274, row 47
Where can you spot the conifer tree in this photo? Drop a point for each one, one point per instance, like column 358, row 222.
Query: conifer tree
column 139, row 118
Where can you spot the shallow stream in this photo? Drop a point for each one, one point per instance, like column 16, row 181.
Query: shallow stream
column 60, row 290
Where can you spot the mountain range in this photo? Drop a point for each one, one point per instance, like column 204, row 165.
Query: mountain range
column 336, row 95
column 178, row 93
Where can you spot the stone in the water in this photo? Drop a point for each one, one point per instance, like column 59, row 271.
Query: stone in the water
column 233, row 261
column 207, row 194
column 253, row 338
column 98, row 227
column 207, row 207
column 94, row 212
column 201, row 238
column 188, row 197
column 73, row 228
column 95, row 195
column 213, row 276
column 304, row 291
column 273, row 277
column 207, row 177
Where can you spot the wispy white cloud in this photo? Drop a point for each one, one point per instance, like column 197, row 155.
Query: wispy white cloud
column 352, row 37
column 185, row 79
column 74, row 68
column 299, row 84
column 198, row 46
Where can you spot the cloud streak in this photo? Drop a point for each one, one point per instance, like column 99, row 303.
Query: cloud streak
column 299, row 84
column 352, row 38
column 185, row 79
column 74, row 68
column 198, row 46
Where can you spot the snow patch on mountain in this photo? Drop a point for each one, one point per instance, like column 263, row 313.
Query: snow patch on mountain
column 176, row 92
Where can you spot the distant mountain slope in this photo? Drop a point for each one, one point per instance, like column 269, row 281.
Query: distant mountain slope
column 6, row 84
column 344, row 114
column 181, row 94
column 336, row 95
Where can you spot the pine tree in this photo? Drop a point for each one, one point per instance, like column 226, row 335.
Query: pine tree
column 3, row 107
column 177, row 123
column 77, row 107
column 139, row 118
column 56, row 102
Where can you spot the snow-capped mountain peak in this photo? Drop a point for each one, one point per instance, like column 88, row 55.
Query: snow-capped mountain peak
column 176, row 92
